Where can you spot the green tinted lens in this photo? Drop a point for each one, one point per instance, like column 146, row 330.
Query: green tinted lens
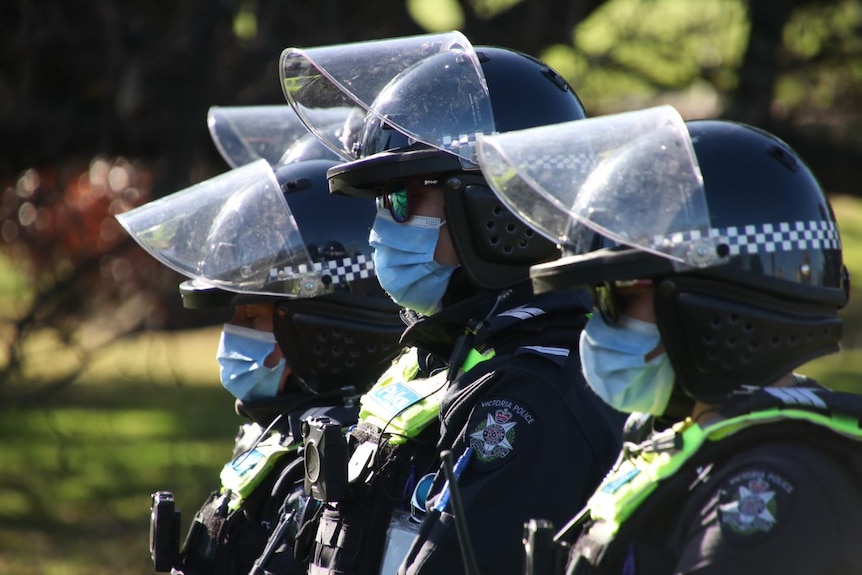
column 398, row 205
column 605, row 298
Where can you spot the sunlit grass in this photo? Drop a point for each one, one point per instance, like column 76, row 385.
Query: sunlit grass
column 77, row 471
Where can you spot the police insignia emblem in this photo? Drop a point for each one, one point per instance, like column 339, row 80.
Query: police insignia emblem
column 494, row 438
column 751, row 501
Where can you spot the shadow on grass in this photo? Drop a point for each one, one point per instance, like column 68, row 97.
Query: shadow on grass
column 76, row 474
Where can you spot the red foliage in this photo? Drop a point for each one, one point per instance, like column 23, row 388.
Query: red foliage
column 58, row 227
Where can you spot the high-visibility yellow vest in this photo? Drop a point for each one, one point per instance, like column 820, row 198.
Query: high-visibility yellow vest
column 635, row 477
column 402, row 405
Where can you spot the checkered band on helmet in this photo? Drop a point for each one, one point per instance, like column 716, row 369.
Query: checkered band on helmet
column 339, row 271
column 765, row 238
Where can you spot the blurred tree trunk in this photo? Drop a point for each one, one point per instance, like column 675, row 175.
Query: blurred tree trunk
column 835, row 161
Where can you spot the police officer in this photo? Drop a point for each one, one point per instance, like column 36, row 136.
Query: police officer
column 527, row 434
column 306, row 340
column 705, row 305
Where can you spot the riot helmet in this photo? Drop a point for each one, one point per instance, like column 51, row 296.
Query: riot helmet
column 423, row 120
column 243, row 134
column 726, row 221
column 256, row 234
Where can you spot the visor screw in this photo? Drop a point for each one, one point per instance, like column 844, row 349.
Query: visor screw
column 245, row 271
column 453, row 183
column 805, row 271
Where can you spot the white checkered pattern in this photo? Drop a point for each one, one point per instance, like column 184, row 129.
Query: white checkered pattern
column 459, row 143
column 343, row 270
column 766, row 238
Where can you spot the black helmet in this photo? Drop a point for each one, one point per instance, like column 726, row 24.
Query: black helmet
column 766, row 301
column 494, row 247
column 342, row 332
column 349, row 336
column 423, row 102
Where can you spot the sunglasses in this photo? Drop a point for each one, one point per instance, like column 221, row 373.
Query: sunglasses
column 608, row 300
column 395, row 198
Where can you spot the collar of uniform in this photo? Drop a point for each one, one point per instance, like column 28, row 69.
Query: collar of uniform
column 438, row 333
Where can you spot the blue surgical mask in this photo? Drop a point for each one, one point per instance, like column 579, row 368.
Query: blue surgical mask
column 241, row 353
column 612, row 359
column 404, row 261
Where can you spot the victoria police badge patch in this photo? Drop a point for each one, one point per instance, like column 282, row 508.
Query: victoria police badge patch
column 752, row 503
column 496, row 427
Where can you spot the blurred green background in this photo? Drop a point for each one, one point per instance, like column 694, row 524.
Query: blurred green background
column 108, row 388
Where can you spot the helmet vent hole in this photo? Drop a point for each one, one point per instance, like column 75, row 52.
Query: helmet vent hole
column 370, row 348
column 775, row 341
column 528, row 233
column 523, row 243
column 745, row 358
column 510, row 228
column 507, row 248
column 318, row 350
column 733, row 319
column 708, row 340
column 490, row 224
column 494, row 240
column 731, row 342
column 792, row 339
column 336, row 351
column 497, row 210
column 715, row 323
column 349, row 362
column 748, row 327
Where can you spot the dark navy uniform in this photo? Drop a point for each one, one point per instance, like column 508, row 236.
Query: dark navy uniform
column 533, row 428
column 539, row 439
column 771, row 487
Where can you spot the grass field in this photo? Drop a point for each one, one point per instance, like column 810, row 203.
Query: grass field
column 76, row 473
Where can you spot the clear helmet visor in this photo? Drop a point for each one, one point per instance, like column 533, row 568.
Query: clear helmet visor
column 234, row 231
column 632, row 178
column 243, row 134
column 408, row 83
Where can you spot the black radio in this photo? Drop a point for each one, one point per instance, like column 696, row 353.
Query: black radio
column 164, row 531
column 325, row 455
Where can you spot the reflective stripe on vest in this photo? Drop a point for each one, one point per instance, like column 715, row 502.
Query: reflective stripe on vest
column 404, row 405
column 243, row 473
column 398, row 402
column 636, row 477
